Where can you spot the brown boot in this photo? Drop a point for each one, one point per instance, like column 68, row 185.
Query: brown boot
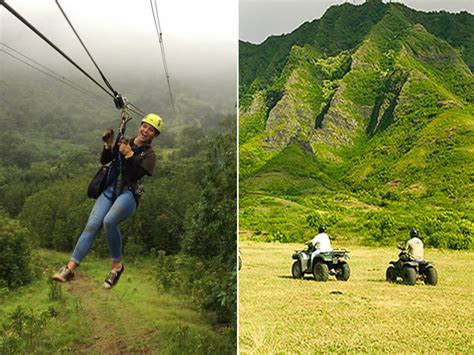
column 64, row 274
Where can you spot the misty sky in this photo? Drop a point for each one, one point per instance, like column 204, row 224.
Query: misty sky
column 199, row 37
column 259, row 19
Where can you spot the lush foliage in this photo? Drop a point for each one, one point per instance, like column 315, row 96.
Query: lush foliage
column 45, row 316
column 15, row 253
column 344, row 27
column 206, row 266
column 371, row 134
column 198, row 219
column 339, row 29
column 49, row 152
column 24, row 328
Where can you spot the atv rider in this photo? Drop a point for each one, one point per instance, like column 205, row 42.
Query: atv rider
column 320, row 243
column 414, row 246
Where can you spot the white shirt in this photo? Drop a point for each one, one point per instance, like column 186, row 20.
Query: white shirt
column 321, row 242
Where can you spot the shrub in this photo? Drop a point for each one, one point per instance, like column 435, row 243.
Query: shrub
column 279, row 236
column 391, row 196
column 447, row 229
column 381, row 228
column 57, row 214
column 316, row 219
column 23, row 329
column 15, row 254
column 211, row 287
column 55, row 290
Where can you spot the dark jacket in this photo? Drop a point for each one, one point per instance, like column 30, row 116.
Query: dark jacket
column 133, row 169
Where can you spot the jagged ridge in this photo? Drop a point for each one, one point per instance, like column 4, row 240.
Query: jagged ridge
column 386, row 121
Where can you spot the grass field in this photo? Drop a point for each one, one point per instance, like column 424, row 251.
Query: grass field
column 80, row 317
column 278, row 314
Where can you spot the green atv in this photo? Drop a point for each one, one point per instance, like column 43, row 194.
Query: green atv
column 324, row 264
column 411, row 270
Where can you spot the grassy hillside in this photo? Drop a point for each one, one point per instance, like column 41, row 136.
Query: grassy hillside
column 366, row 314
column 81, row 317
column 370, row 140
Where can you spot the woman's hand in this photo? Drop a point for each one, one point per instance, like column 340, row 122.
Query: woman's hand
column 108, row 137
column 125, row 149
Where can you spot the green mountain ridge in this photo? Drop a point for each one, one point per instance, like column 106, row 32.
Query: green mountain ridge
column 341, row 28
column 386, row 123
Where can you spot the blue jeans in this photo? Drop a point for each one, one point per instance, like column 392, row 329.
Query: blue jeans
column 109, row 213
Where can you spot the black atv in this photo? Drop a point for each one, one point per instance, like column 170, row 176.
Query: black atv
column 410, row 270
column 324, row 264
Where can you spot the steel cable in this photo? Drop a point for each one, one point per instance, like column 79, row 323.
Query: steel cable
column 156, row 19
column 54, row 74
column 49, row 42
column 136, row 110
column 44, row 38
column 87, row 51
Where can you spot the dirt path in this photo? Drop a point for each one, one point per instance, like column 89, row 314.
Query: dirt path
column 108, row 327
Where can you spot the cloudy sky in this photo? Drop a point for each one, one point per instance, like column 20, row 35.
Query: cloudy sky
column 200, row 37
column 259, row 19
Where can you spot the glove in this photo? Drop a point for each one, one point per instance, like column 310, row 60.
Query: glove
column 125, row 149
column 108, row 137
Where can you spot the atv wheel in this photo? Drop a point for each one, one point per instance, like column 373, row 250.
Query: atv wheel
column 431, row 276
column 320, row 271
column 409, row 275
column 344, row 272
column 296, row 270
column 391, row 274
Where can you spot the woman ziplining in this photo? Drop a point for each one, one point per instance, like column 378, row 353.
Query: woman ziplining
column 130, row 162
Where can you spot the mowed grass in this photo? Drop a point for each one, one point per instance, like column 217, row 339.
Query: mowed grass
column 278, row 314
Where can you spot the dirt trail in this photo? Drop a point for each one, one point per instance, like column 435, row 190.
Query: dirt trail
column 109, row 330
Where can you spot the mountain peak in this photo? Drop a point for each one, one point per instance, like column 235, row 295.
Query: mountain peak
column 323, row 94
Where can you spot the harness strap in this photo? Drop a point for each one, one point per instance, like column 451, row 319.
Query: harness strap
column 116, row 166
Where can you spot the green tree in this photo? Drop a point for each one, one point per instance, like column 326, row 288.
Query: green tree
column 212, row 233
column 15, row 253
column 213, row 228
column 58, row 214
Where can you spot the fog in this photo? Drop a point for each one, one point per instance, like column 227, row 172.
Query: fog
column 200, row 39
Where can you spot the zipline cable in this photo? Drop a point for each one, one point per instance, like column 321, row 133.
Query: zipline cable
column 87, row 51
column 137, row 110
column 162, row 46
column 82, row 91
column 57, row 75
column 44, row 38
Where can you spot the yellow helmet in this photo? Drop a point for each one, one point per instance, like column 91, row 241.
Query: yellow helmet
column 154, row 120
